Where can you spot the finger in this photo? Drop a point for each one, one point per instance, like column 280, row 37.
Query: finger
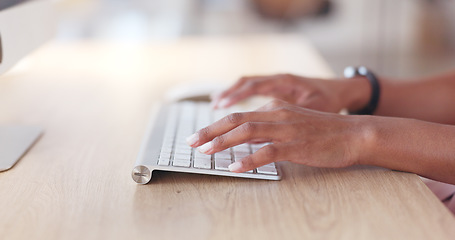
column 242, row 81
column 234, row 97
column 226, row 124
column 243, row 133
column 216, row 98
column 276, row 86
column 265, row 155
column 261, row 86
column 218, row 102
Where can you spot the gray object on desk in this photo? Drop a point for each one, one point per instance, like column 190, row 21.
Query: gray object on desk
column 24, row 26
column 14, row 143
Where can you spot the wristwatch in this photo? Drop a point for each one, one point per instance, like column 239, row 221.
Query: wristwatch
column 350, row 72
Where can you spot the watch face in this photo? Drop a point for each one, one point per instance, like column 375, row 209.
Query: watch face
column 363, row 70
column 349, row 72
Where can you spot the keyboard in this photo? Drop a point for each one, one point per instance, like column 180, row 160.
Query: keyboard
column 164, row 146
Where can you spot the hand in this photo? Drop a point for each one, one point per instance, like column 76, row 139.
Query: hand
column 317, row 94
column 298, row 135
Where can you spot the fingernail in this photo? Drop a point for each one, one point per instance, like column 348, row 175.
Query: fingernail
column 191, row 140
column 235, row 167
column 223, row 103
column 207, row 147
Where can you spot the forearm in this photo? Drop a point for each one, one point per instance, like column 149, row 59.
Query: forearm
column 430, row 99
column 427, row 149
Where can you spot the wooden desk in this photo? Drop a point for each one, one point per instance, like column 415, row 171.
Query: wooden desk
column 93, row 99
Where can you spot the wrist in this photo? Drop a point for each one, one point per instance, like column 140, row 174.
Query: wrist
column 364, row 139
column 356, row 93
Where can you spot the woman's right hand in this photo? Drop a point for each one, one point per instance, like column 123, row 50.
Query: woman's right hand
column 297, row 134
column 317, row 94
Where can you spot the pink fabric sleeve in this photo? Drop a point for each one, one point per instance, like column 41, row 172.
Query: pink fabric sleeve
column 444, row 191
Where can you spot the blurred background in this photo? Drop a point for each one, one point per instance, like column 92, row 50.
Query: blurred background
column 403, row 38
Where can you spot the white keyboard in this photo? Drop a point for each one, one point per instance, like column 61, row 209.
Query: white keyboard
column 165, row 148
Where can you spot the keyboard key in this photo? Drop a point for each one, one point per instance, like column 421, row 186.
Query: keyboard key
column 165, row 154
column 202, row 155
column 183, row 146
column 203, row 118
column 222, row 164
column 183, row 152
column 216, row 157
column 256, row 147
column 224, row 154
column 180, row 163
column 219, row 114
column 271, row 165
column 182, row 157
column 267, row 170
column 166, row 149
column 240, row 156
column 204, row 162
column 242, row 147
column 241, row 151
column 163, row 161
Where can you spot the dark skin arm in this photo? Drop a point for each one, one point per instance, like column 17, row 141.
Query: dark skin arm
column 331, row 140
column 325, row 139
column 429, row 99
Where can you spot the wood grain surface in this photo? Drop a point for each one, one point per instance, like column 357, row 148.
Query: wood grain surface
column 94, row 100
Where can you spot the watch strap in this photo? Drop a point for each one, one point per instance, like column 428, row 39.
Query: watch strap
column 370, row 108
